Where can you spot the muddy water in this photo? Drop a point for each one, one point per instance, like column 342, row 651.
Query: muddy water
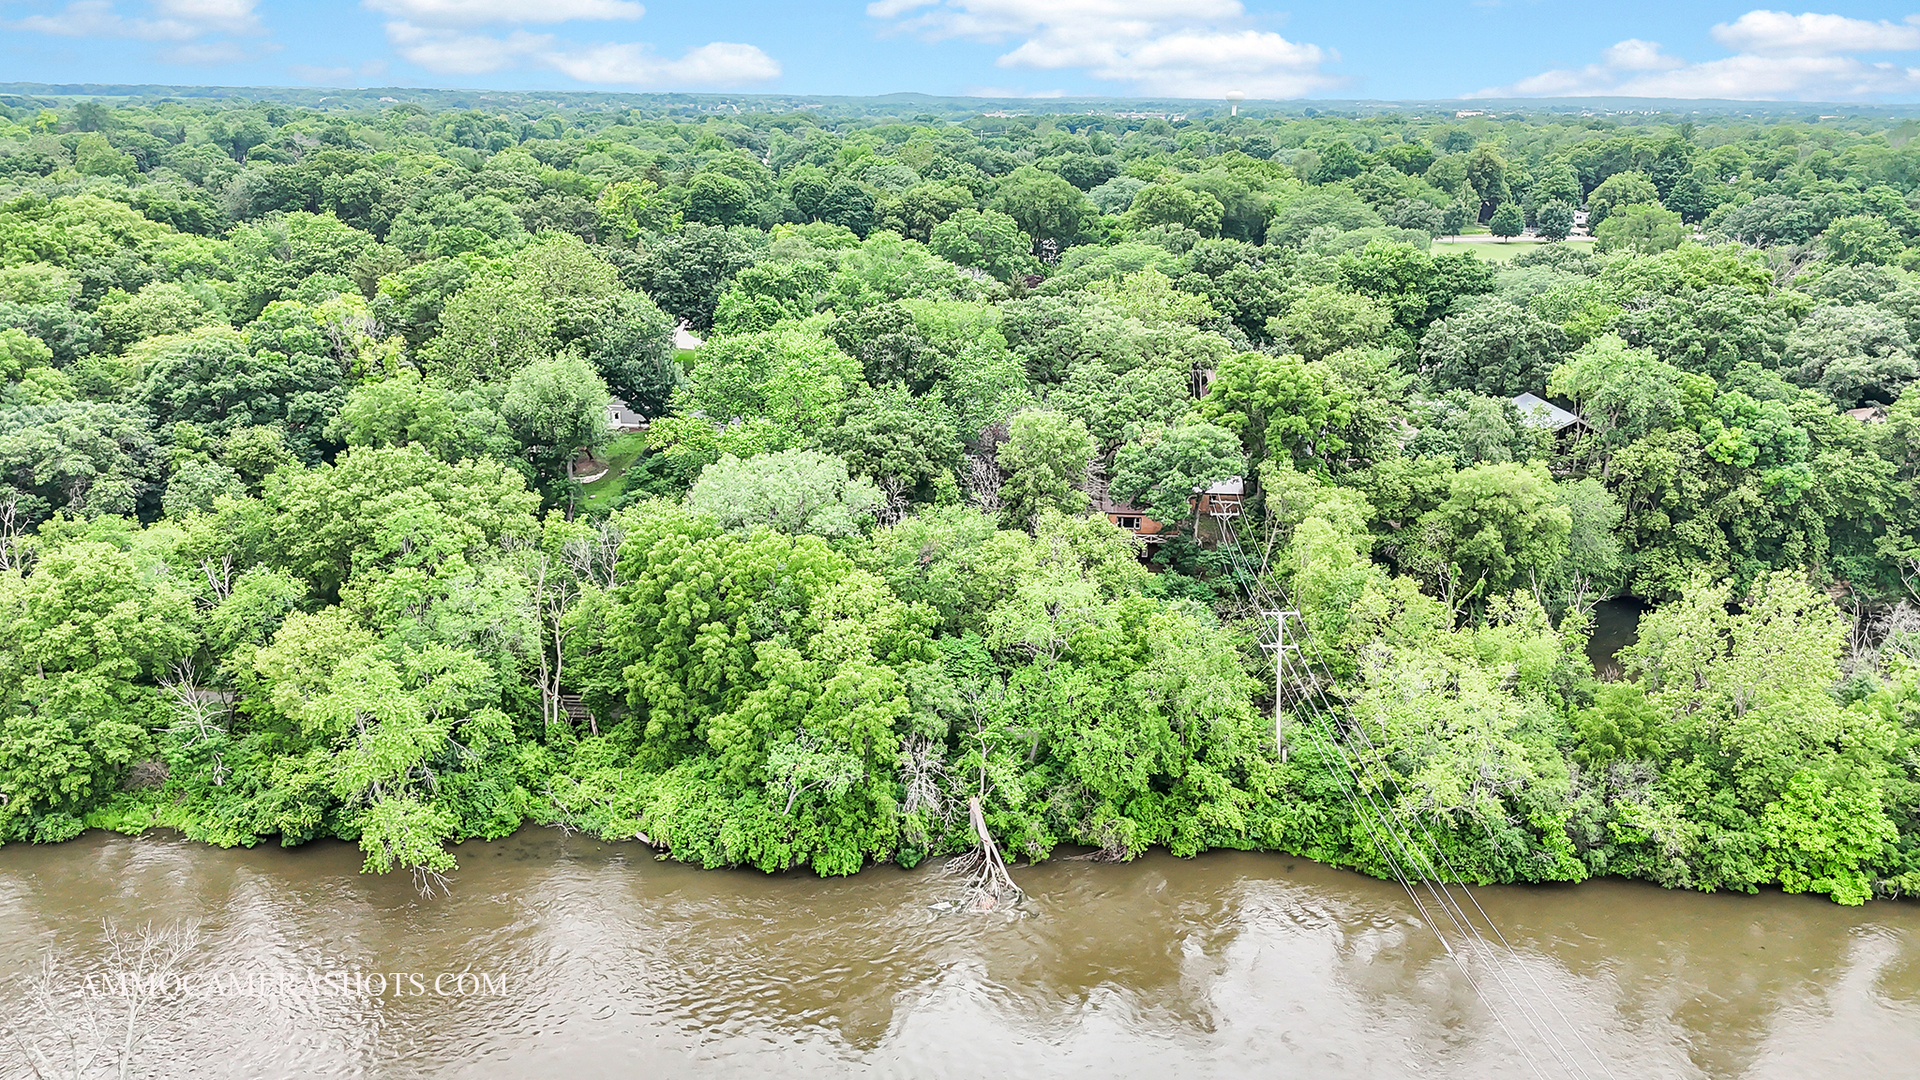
column 1229, row 965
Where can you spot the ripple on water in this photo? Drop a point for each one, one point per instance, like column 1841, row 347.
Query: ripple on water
column 1228, row 965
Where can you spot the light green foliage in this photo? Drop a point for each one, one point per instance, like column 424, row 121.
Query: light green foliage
column 629, row 207
column 405, row 410
column 1171, row 204
column 988, row 240
column 1280, row 405
column 1619, row 190
column 1645, row 228
column 392, row 508
column 556, row 408
column 1861, row 239
column 1507, row 222
column 1325, row 320
column 1162, row 471
column 82, row 632
column 489, row 331
column 1045, row 462
column 1853, row 353
column 1500, row 527
column 160, row 308
column 792, row 375
column 1743, row 701
column 1495, row 348
column 801, row 492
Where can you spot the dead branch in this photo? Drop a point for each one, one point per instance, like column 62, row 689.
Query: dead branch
column 988, row 884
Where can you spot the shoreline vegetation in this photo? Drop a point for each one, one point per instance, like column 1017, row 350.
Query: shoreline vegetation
column 966, row 518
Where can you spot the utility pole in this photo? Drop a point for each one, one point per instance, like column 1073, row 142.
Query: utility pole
column 1280, row 648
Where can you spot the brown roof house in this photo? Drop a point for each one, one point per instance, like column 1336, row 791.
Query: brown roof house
column 1219, row 501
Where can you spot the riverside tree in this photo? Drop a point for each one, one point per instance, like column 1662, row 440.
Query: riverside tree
column 289, row 548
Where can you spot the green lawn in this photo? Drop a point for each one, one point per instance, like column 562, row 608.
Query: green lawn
column 1506, row 252
column 623, row 451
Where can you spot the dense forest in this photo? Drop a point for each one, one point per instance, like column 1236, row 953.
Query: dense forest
column 313, row 522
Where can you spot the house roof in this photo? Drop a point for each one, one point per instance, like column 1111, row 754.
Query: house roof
column 622, row 417
column 1537, row 411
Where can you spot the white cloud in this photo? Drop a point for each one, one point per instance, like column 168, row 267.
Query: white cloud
column 1776, row 33
column 172, row 20
column 719, row 63
column 484, row 12
column 1779, row 57
column 450, row 52
column 1180, row 48
column 1636, row 55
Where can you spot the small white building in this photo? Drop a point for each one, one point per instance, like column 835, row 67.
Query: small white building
column 622, row 418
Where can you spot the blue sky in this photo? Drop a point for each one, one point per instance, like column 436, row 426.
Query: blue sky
column 1185, row 48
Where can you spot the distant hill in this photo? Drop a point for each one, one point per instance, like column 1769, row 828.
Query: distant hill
column 913, row 105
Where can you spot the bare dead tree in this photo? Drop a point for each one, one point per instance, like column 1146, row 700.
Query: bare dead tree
column 980, row 478
column 893, row 501
column 551, row 593
column 78, row 1027
column 200, row 714
column 924, row 770
column 219, row 574
column 14, row 551
column 988, row 884
column 595, row 559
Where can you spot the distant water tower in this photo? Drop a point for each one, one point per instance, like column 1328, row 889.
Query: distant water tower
column 1234, row 98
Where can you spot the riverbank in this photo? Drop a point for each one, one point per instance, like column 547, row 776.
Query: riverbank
column 1220, row 966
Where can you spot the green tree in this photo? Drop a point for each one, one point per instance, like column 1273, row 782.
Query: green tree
column 1853, row 353
column 985, row 240
column 1326, row 319
column 799, row 492
column 1499, row 527
column 1045, row 463
column 489, row 331
column 1281, row 404
column 1508, row 222
column 1495, row 348
column 1620, row 189
column 1161, row 471
column 1555, row 221
column 1861, row 239
column 1045, row 207
column 717, row 199
column 687, row 271
column 1171, row 204
column 556, row 408
column 1648, row 229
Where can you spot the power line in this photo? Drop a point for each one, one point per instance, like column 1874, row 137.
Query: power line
column 1399, row 850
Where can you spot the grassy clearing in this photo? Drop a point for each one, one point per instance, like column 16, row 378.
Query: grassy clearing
column 1499, row 253
column 622, row 452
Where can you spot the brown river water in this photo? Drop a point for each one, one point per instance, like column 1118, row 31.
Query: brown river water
column 607, row 963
